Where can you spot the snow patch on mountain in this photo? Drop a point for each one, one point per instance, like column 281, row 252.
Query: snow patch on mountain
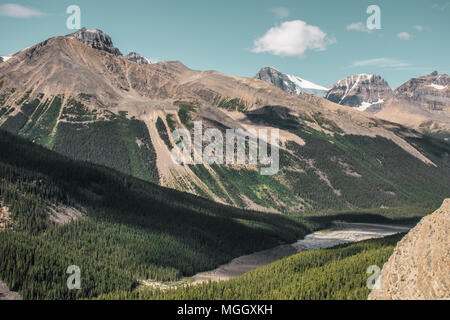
column 366, row 105
column 437, row 86
column 290, row 83
column 305, row 84
column 6, row 58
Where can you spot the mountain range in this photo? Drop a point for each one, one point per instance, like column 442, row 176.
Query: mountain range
column 79, row 96
column 421, row 103
column 87, row 177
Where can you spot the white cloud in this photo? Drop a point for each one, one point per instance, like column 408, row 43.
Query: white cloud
column 17, row 11
column 358, row 26
column 292, row 38
column 280, row 12
column 404, row 36
column 419, row 28
column 381, row 63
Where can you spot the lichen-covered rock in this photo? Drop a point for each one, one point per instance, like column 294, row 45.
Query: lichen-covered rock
column 420, row 265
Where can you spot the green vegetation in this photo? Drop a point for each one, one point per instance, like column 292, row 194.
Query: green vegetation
column 171, row 122
column 75, row 111
column 14, row 123
column 348, row 171
column 184, row 112
column 326, row 274
column 233, row 104
column 262, row 190
column 121, row 144
column 85, row 96
column 162, row 131
column 42, row 131
column 131, row 230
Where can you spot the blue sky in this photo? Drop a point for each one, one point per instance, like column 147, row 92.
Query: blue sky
column 322, row 41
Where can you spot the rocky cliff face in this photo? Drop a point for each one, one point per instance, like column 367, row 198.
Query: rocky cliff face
column 420, row 265
column 97, row 39
column 431, row 92
column 289, row 83
column 423, row 104
column 136, row 57
column 364, row 92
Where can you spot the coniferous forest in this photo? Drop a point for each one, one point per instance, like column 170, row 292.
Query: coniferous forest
column 129, row 229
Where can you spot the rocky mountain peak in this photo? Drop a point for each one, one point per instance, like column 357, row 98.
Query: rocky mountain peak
column 289, row 83
column 431, row 92
column 96, row 39
column 136, row 57
column 366, row 92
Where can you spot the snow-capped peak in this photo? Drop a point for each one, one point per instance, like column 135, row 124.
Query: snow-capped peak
column 289, row 83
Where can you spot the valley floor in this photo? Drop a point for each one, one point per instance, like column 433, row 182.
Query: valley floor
column 341, row 233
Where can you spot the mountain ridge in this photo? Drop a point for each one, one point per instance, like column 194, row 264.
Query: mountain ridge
column 95, row 106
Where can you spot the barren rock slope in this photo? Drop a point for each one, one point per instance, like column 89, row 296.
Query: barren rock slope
column 420, row 265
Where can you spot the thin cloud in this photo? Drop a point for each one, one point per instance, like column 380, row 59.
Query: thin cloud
column 13, row 10
column 389, row 63
column 381, row 63
column 404, row 36
column 280, row 12
column 292, row 39
column 419, row 28
column 358, row 26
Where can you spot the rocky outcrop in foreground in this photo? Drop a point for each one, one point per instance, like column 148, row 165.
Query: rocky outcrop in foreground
column 420, row 265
